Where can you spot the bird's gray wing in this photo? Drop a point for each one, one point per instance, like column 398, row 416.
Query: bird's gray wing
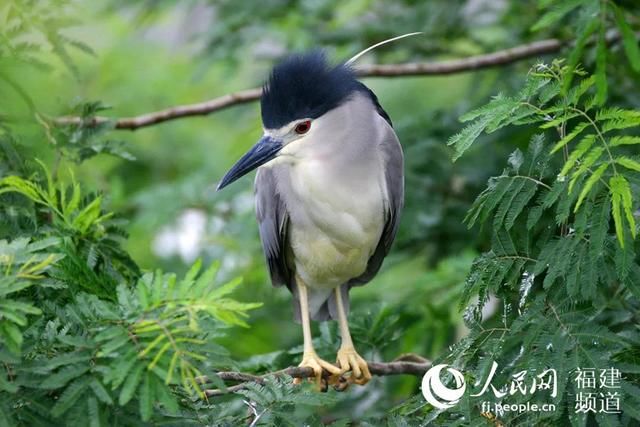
column 273, row 222
column 394, row 179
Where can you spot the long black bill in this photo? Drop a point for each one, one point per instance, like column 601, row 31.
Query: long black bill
column 266, row 149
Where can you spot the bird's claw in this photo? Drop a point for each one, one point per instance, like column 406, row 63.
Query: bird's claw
column 313, row 361
column 339, row 382
column 348, row 360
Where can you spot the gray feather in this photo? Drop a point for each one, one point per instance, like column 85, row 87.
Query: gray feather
column 394, row 176
column 272, row 222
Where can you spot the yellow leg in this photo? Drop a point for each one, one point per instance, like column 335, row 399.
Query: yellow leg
column 348, row 358
column 309, row 357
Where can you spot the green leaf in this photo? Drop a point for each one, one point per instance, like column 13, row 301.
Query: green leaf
column 74, row 203
column 519, row 202
column 121, row 369
column 629, row 40
column 570, row 136
column 558, row 11
column 576, row 53
column 151, row 345
column 15, row 310
column 159, row 354
column 549, row 92
column 505, row 204
column 588, row 185
column 100, row 391
column 463, row 140
column 172, row 367
column 488, row 200
column 560, row 119
column 165, row 397
column 627, row 205
column 93, row 412
column 63, row 376
column 130, row 384
column 624, row 140
column 110, row 333
column 617, row 113
column 600, row 228
column 70, row 396
column 574, row 272
column 23, row 307
column 65, row 359
column 616, row 118
column 193, row 271
column 88, row 216
column 601, row 68
column 12, row 336
column 51, row 190
column 589, row 160
column 12, row 316
column 621, row 202
column 226, row 289
column 146, row 398
column 576, row 93
column 11, row 286
column 628, row 163
column 113, row 345
column 42, row 244
column 558, row 188
column 24, row 187
column 206, row 279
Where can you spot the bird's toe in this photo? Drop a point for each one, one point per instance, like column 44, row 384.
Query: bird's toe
column 350, row 361
column 318, row 365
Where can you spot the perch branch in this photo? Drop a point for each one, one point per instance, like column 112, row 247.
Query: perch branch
column 477, row 62
column 403, row 365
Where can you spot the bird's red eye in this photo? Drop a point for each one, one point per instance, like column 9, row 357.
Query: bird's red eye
column 303, row 127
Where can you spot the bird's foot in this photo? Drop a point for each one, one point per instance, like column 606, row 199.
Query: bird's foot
column 348, row 360
column 311, row 360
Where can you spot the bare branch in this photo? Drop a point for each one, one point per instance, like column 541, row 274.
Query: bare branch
column 401, row 366
column 472, row 63
column 189, row 110
column 478, row 62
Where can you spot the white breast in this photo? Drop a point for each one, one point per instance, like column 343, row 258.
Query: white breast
column 335, row 222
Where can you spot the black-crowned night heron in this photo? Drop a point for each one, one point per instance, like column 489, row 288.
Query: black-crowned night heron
column 329, row 192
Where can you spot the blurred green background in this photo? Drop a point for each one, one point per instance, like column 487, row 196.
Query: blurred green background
column 149, row 55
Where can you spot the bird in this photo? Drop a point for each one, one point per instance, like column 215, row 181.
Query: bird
column 329, row 191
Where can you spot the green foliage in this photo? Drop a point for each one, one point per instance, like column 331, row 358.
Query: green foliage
column 277, row 399
column 131, row 344
column 90, row 236
column 591, row 166
column 85, row 221
column 591, row 18
column 562, row 261
column 84, row 140
column 23, row 263
column 27, row 28
column 87, row 337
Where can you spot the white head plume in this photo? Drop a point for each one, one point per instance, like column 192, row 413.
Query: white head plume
column 370, row 48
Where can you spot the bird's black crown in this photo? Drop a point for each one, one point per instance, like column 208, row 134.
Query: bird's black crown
column 305, row 86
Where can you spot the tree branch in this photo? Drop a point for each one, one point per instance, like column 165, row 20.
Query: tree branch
column 472, row 63
column 404, row 365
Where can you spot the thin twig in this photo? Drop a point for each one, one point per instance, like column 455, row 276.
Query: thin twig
column 472, row 63
column 398, row 367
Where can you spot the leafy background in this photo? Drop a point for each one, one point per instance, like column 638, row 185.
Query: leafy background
column 521, row 251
